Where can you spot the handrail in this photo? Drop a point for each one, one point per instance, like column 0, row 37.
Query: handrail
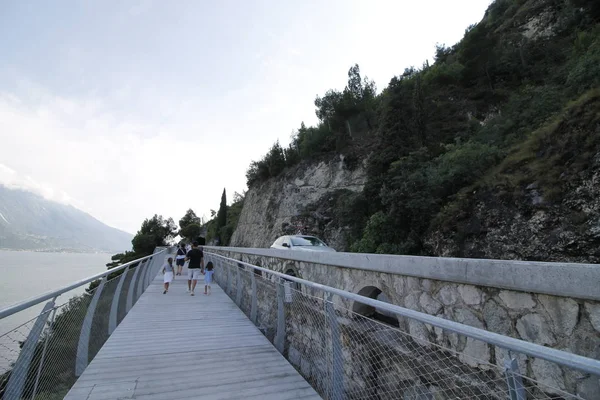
column 557, row 356
column 15, row 308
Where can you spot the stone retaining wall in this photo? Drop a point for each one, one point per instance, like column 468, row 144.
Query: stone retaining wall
column 570, row 323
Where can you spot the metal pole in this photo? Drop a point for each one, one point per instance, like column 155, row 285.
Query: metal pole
column 142, row 283
column 254, row 299
column 114, row 307
column 147, row 273
column 228, row 281
column 132, row 287
column 516, row 391
column 14, row 387
column 39, row 371
column 151, row 272
column 337, row 362
column 280, row 336
column 139, row 283
column 81, row 361
column 238, row 284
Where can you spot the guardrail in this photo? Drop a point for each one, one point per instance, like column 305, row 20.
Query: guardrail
column 42, row 357
column 346, row 354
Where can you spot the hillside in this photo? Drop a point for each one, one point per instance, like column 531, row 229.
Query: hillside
column 30, row 222
column 489, row 150
column 541, row 202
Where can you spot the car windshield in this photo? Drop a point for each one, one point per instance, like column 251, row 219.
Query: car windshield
column 306, row 241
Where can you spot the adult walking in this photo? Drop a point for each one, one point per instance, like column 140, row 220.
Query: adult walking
column 196, row 265
column 180, row 258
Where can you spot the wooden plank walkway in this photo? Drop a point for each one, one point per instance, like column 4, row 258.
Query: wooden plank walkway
column 176, row 346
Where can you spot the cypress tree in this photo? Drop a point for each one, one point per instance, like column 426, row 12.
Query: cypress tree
column 222, row 216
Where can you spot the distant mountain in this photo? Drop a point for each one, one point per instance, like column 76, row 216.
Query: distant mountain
column 30, row 222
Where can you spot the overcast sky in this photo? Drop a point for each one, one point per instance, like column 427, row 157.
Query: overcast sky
column 130, row 108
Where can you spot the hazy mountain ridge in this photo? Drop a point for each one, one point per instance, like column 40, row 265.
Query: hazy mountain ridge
column 30, row 222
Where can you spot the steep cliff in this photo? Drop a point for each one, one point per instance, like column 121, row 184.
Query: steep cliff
column 302, row 200
column 492, row 151
column 541, row 203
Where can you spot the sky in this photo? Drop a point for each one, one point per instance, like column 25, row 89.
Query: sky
column 126, row 109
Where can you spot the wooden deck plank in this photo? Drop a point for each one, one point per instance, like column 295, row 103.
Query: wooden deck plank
column 176, row 346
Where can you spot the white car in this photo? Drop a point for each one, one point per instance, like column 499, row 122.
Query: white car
column 300, row 242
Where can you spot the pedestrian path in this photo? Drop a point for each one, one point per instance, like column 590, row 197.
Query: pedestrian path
column 175, row 346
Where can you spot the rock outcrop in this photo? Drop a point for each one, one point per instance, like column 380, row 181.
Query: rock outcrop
column 551, row 213
column 297, row 202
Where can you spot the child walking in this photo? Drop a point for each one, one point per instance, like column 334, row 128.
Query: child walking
column 208, row 277
column 167, row 271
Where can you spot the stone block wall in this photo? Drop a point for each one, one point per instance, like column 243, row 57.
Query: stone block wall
column 570, row 323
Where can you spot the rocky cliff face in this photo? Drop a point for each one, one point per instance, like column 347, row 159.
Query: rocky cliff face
column 299, row 201
column 541, row 206
column 528, row 229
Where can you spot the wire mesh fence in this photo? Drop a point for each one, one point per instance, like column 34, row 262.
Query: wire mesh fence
column 42, row 358
column 374, row 354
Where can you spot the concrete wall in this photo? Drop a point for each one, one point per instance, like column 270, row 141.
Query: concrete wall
column 556, row 305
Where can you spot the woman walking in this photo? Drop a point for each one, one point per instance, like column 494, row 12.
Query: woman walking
column 167, row 271
column 180, row 258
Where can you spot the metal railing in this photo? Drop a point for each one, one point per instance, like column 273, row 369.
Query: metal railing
column 382, row 351
column 43, row 357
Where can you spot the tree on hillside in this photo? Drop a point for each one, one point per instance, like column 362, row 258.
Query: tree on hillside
column 275, row 159
column 222, row 215
column 191, row 231
column 189, row 218
column 419, row 116
column 155, row 231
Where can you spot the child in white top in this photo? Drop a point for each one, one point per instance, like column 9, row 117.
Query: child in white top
column 208, row 277
column 167, row 271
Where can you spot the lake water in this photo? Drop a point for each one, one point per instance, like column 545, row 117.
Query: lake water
column 25, row 274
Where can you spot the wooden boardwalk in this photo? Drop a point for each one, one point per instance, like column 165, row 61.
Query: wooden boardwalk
column 176, row 346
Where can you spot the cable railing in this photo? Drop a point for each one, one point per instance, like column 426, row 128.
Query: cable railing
column 43, row 357
column 377, row 353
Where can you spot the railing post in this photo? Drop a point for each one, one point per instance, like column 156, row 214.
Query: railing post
column 228, row 281
column 149, row 273
column 146, row 274
column 132, row 287
column 39, row 371
column 140, row 282
column 14, row 387
column 114, row 307
column 254, row 299
column 516, row 391
column 287, row 290
column 280, row 336
column 337, row 362
column 144, row 278
column 238, row 284
column 154, row 266
column 81, row 362
column 157, row 266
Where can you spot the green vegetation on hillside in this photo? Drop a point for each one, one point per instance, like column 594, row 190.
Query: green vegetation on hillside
column 154, row 232
column 220, row 228
column 436, row 131
column 190, row 226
